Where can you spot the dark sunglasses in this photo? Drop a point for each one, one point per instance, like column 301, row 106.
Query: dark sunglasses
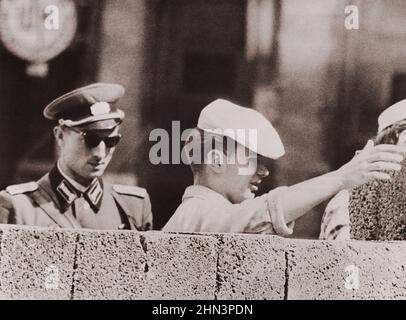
column 93, row 139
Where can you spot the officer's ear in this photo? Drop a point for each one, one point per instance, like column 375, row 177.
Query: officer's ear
column 215, row 160
column 58, row 134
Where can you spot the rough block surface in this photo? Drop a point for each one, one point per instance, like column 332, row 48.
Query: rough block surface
column 180, row 266
column 346, row 270
column 36, row 263
column 78, row 264
column 316, row 270
column 382, row 269
column 378, row 209
column 251, row 267
column 109, row 265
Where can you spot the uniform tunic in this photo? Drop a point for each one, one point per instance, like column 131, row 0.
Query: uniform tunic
column 54, row 202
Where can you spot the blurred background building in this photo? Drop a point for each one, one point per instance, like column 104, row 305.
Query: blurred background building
column 320, row 84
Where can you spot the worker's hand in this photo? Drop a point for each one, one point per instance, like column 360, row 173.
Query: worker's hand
column 372, row 162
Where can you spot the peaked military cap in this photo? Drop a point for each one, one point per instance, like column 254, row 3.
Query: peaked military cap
column 87, row 104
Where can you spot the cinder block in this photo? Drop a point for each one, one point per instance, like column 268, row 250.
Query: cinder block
column 377, row 209
column 381, row 269
column 36, row 263
column 180, row 266
column 346, row 270
column 251, row 267
column 364, row 210
column 316, row 270
column 109, row 265
column 61, row 264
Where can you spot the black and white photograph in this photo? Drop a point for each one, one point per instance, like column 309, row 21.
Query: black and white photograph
column 221, row 151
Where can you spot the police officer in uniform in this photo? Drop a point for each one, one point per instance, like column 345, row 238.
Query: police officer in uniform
column 73, row 194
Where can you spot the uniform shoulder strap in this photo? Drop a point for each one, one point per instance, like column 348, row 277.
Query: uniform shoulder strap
column 22, row 188
column 130, row 190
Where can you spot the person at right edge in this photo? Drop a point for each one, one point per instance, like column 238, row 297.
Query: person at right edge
column 335, row 224
column 222, row 197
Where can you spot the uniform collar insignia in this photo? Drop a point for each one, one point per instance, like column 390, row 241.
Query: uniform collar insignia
column 94, row 194
column 67, row 194
column 66, row 191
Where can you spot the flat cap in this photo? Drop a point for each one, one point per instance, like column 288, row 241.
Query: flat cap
column 392, row 114
column 87, row 104
column 236, row 122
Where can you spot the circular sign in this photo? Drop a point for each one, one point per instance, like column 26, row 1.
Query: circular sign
column 37, row 30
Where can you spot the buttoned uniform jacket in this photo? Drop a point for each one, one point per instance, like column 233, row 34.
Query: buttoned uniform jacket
column 204, row 210
column 40, row 204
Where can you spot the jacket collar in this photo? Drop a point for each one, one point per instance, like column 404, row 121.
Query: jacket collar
column 204, row 193
column 67, row 193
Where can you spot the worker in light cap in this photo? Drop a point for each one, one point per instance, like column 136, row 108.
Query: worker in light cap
column 73, row 194
column 391, row 131
column 228, row 166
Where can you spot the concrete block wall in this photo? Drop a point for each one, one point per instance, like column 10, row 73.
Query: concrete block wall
column 78, row 264
column 377, row 209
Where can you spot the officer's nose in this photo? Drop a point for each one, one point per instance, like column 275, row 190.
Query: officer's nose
column 100, row 150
